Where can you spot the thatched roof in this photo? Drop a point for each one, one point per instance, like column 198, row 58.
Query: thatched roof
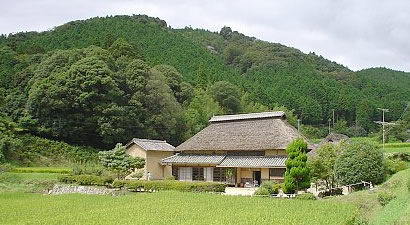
column 151, row 145
column 332, row 138
column 247, row 132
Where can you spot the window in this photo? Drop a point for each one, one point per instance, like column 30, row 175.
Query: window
column 209, row 174
column 277, row 172
column 175, row 172
column 219, row 174
column 198, row 173
column 185, row 173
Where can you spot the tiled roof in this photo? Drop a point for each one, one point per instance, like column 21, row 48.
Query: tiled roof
column 152, row 145
column 228, row 161
column 194, row 159
column 253, row 161
column 261, row 115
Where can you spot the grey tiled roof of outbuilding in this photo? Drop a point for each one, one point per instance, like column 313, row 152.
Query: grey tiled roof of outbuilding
column 194, row 159
column 151, row 145
column 254, row 161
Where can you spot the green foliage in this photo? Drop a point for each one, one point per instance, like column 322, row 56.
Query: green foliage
column 84, row 84
column 199, row 111
column 306, row 196
column 359, row 161
column 161, row 185
column 262, row 191
column 34, row 151
column 394, row 166
column 119, row 161
column 227, row 95
column 41, row 170
column 385, row 197
column 341, row 127
column 297, row 173
column 86, row 180
column 268, row 188
column 322, row 165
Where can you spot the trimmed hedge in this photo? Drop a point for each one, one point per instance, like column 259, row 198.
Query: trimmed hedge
column 41, row 170
column 157, row 185
column 86, row 180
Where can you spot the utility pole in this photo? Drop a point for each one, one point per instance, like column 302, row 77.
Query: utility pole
column 333, row 112
column 329, row 124
column 299, row 125
column 384, row 124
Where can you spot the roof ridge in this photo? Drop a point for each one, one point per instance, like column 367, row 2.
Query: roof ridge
column 149, row 140
column 247, row 116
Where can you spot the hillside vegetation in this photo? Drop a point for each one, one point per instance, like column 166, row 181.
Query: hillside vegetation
column 105, row 80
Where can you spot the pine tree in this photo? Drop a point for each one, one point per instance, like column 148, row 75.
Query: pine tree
column 297, row 173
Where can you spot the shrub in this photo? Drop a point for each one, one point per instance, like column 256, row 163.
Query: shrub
column 88, row 169
column 297, row 173
column 40, row 151
column 271, row 186
column 359, row 161
column 86, row 180
column 358, row 221
column 5, row 167
column 120, row 162
column 157, row 185
column 332, row 192
column 385, row 197
column 170, row 178
column 394, row 166
column 306, row 196
column 263, row 191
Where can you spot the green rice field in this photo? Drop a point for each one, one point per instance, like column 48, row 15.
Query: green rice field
column 167, row 208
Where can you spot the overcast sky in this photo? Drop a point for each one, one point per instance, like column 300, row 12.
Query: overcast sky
column 357, row 34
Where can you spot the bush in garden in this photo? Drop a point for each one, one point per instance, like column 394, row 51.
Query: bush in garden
column 306, row 196
column 170, row 178
column 384, row 197
column 120, row 162
column 359, row 161
column 394, row 166
column 297, row 173
column 262, row 191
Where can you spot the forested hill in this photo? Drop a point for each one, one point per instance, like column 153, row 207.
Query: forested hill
column 105, row 80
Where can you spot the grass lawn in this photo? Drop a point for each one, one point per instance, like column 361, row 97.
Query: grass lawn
column 397, row 211
column 168, row 208
column 26, row 182
column 396, row 147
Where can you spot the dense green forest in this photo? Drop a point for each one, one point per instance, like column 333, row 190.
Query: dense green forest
column 105, row 80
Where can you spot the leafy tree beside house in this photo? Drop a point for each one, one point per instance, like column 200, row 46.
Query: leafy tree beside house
column 358, row 162
column 322, row 165
column 120, row 162
column 297, row 174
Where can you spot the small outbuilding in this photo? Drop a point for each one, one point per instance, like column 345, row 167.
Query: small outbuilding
column 153, row 151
